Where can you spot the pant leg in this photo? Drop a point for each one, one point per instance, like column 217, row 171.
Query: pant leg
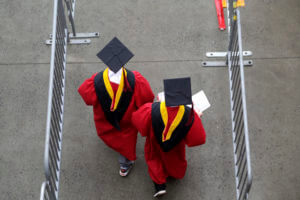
column 124, row 162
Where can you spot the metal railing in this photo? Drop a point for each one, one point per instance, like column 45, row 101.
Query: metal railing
column 240, row 134
column 71, row 13
column 236, row 63
column 46, row 192
column 59, row 39
column 54, row 125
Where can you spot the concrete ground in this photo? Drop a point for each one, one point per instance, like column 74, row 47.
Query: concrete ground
column 169, row 39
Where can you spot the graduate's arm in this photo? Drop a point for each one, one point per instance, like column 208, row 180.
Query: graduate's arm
column 141, row 119
column 142, row 92
column 196, row 135
column 87, row 91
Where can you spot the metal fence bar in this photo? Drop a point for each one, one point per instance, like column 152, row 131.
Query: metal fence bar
column 46, row 192
column 240, row 135
column 71, row 12
column 54, row 125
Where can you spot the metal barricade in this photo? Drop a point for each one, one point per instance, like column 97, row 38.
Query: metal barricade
column 59, row 39
column 235, row 63
column 241, row 147
column 54, row 125
column 240, row 136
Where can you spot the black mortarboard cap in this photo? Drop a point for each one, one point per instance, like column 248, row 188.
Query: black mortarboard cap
column 178, row 91
column 115, row 55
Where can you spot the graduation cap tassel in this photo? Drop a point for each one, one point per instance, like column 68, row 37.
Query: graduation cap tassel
column 126, row 85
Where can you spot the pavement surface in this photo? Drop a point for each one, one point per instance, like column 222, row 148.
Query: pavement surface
column 169, row 39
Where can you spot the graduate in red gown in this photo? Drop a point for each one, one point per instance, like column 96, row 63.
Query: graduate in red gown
column 168, row 127
column 115, row 94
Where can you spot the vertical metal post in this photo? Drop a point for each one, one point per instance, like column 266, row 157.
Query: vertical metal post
column 71, row 15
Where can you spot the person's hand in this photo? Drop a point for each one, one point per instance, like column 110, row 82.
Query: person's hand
column 199, row 113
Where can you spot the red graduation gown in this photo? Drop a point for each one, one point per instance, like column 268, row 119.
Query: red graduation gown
column 123, row 141
column 163, row 164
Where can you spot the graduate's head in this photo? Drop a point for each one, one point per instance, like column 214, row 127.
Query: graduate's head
column 115, row 55
column 178, row 92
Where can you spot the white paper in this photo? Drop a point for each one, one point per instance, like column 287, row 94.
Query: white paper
column 199, row 99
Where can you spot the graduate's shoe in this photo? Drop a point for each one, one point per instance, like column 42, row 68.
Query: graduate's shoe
column 160, row 189
column 124, row 170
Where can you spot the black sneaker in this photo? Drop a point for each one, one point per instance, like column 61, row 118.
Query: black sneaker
column 160, row 189
column 124, row 171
